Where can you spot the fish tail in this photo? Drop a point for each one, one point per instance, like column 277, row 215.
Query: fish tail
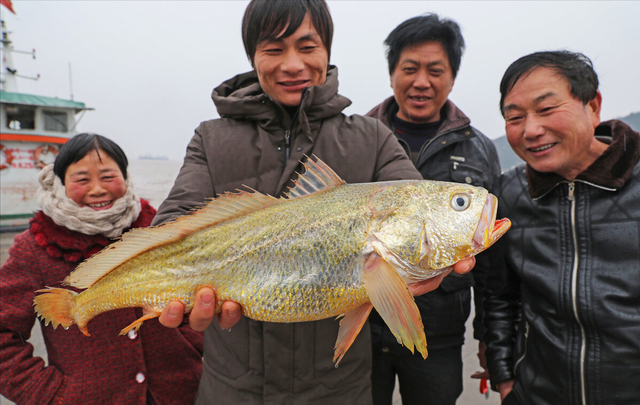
column 54, row 306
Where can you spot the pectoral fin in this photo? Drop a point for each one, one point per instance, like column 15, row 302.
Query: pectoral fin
column 390, row 296
column 350, row 326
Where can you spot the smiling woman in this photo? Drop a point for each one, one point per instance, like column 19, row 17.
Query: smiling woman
column 87, row 199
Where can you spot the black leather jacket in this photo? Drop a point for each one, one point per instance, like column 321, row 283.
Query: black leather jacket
column 562, row 314
column 462, row 154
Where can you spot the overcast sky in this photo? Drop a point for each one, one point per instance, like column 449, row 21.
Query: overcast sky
column 148, row 67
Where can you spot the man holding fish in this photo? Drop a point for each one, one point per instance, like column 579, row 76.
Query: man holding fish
column 272, row 117
column 562, row 312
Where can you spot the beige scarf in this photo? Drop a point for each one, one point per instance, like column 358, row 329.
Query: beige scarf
column 52, row 198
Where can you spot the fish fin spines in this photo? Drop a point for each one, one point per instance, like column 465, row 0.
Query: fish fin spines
column 140, row 240
column 350, row 327
column 54, row 305
column 390, row 296
column 318, row 176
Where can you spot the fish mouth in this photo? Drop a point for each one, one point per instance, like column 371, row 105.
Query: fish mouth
column 489, row 229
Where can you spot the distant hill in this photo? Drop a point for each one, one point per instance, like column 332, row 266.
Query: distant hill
column 509, row 159
column 507, row 156
column 633, row 120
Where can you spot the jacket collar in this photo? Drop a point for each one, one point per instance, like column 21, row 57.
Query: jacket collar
column 611, row 170
column 241, row 97
column 72, row 246
column 453, row 117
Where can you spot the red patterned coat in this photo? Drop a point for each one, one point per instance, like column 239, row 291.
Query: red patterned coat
column 102, row 369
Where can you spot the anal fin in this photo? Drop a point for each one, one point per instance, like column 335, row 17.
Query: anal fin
column 350, row 327
column 390, row 296
column 138, row 322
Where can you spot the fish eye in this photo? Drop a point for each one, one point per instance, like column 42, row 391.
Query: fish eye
column 460, row 202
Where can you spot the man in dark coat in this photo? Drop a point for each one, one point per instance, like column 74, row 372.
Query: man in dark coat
column 424, row 57
column 562, row 309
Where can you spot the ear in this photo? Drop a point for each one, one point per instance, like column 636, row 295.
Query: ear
column 593, row 109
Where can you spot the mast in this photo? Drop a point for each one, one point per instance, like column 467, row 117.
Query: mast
column 8, row 71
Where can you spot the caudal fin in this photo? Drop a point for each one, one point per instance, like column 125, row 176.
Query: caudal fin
column 54, row 305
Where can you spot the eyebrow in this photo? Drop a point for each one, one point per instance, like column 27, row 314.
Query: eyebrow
column 85, row 172
column 308, row 37
column 430, row 64
column 536, row 101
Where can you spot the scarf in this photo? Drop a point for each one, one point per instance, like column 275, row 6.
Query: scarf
column 52, row 198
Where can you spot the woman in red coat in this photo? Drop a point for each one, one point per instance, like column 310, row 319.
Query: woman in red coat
column 87, row 201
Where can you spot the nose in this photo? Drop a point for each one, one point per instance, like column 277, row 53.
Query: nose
column 292, row 62
column 421, row 80
column 532, row 127
column 97, row 189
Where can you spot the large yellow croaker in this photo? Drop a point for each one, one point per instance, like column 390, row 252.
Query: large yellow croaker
column 329, row 249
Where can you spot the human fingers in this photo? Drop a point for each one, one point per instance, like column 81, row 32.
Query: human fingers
column 480, row 374
column 425, row 286
column 464, row 266
column 172, row 314
column 230, row 314
column 203, row 310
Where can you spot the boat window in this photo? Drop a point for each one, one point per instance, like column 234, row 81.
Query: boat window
column 20, row 117
column 55, row 121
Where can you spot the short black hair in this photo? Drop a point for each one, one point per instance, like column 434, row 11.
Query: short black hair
column 573, row 66
column 77, row 148
column 425, row 28
column 265, row 19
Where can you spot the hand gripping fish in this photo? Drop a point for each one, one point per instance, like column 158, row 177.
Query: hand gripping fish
column 328, row 249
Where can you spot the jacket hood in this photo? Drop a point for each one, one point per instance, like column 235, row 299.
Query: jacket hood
column 611, row 170
column 242, row 97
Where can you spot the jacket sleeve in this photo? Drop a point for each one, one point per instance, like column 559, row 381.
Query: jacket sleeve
column 25, row 378
column 392, row 163
column 485, row 261
column 193, row 185
column 502, row 311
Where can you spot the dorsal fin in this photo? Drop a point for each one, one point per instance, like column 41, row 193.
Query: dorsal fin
column 139, row 240
column 317, row 177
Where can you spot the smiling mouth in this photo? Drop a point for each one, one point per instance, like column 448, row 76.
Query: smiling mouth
column 420, row 98
column 100, row 205
column 543, row 147
column 295, row 83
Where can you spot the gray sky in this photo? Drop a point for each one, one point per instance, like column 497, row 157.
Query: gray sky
column 148, row 67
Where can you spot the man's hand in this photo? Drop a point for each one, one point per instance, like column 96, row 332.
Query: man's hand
column 505, row 388
column 423, row 287
column 202, row 313
column 482, row 348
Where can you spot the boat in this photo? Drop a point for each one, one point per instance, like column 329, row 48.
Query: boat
column 149, row 156
column 32, row 130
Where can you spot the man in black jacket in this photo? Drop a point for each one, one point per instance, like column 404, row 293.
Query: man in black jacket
column 424, row 57
column 562, row 311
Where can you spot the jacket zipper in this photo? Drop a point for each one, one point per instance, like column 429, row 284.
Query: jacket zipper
column 574, row 290
column 287, row 146
column 524, row 353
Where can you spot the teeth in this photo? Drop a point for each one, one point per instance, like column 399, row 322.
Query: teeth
column 420, row 98
column 541, row 148
column 99, row 205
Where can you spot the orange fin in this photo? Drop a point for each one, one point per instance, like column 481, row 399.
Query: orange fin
column 138, row 322
column 317, row 177
column 54, row 306
column 390, row 296
column 140, row 240
column 350, row 327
